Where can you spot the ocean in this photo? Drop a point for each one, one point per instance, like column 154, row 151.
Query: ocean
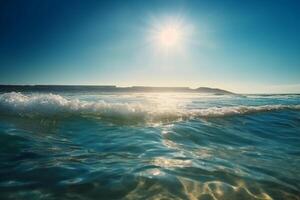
column 122, row 145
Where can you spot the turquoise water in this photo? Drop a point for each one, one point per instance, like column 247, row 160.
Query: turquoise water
column 149, row 146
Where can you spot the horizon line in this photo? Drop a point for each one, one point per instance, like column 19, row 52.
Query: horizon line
column 171, row 87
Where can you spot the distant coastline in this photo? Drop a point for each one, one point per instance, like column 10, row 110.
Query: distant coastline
column 108, row 88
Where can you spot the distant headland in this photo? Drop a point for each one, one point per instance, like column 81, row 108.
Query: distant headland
column 108, row 88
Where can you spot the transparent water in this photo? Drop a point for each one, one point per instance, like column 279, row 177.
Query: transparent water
column 149, row 146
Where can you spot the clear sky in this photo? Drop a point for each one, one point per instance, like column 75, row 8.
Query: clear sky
column 243, row 46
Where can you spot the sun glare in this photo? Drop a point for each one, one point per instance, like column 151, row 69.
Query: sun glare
column 169, row 36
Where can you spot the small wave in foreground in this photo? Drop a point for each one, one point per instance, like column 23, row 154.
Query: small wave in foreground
column 47, row 105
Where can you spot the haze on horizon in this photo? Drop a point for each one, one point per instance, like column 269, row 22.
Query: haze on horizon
column 246, row 47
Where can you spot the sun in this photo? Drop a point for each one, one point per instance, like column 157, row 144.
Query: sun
column 169, row 36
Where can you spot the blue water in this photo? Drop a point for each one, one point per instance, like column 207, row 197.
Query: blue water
column 149, row 146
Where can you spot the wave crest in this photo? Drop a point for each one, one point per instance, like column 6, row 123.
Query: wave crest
column 48, row 105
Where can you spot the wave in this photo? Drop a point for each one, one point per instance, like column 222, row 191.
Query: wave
column 49, row 105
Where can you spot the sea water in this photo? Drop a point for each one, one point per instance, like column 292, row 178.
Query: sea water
column 89, row 145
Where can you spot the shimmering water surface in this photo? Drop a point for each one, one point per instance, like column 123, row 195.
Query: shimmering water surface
column 149, row 146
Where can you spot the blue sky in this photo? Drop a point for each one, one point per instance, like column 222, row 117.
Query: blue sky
column 243, row 46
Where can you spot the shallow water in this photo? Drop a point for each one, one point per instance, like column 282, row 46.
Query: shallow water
column 149, row 146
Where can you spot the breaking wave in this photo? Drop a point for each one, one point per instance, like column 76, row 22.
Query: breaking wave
column 48, row 105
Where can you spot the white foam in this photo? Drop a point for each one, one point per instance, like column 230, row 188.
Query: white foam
column 240, row 110
column 52, row 105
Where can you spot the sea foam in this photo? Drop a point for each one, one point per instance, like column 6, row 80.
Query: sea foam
column 47, row 105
